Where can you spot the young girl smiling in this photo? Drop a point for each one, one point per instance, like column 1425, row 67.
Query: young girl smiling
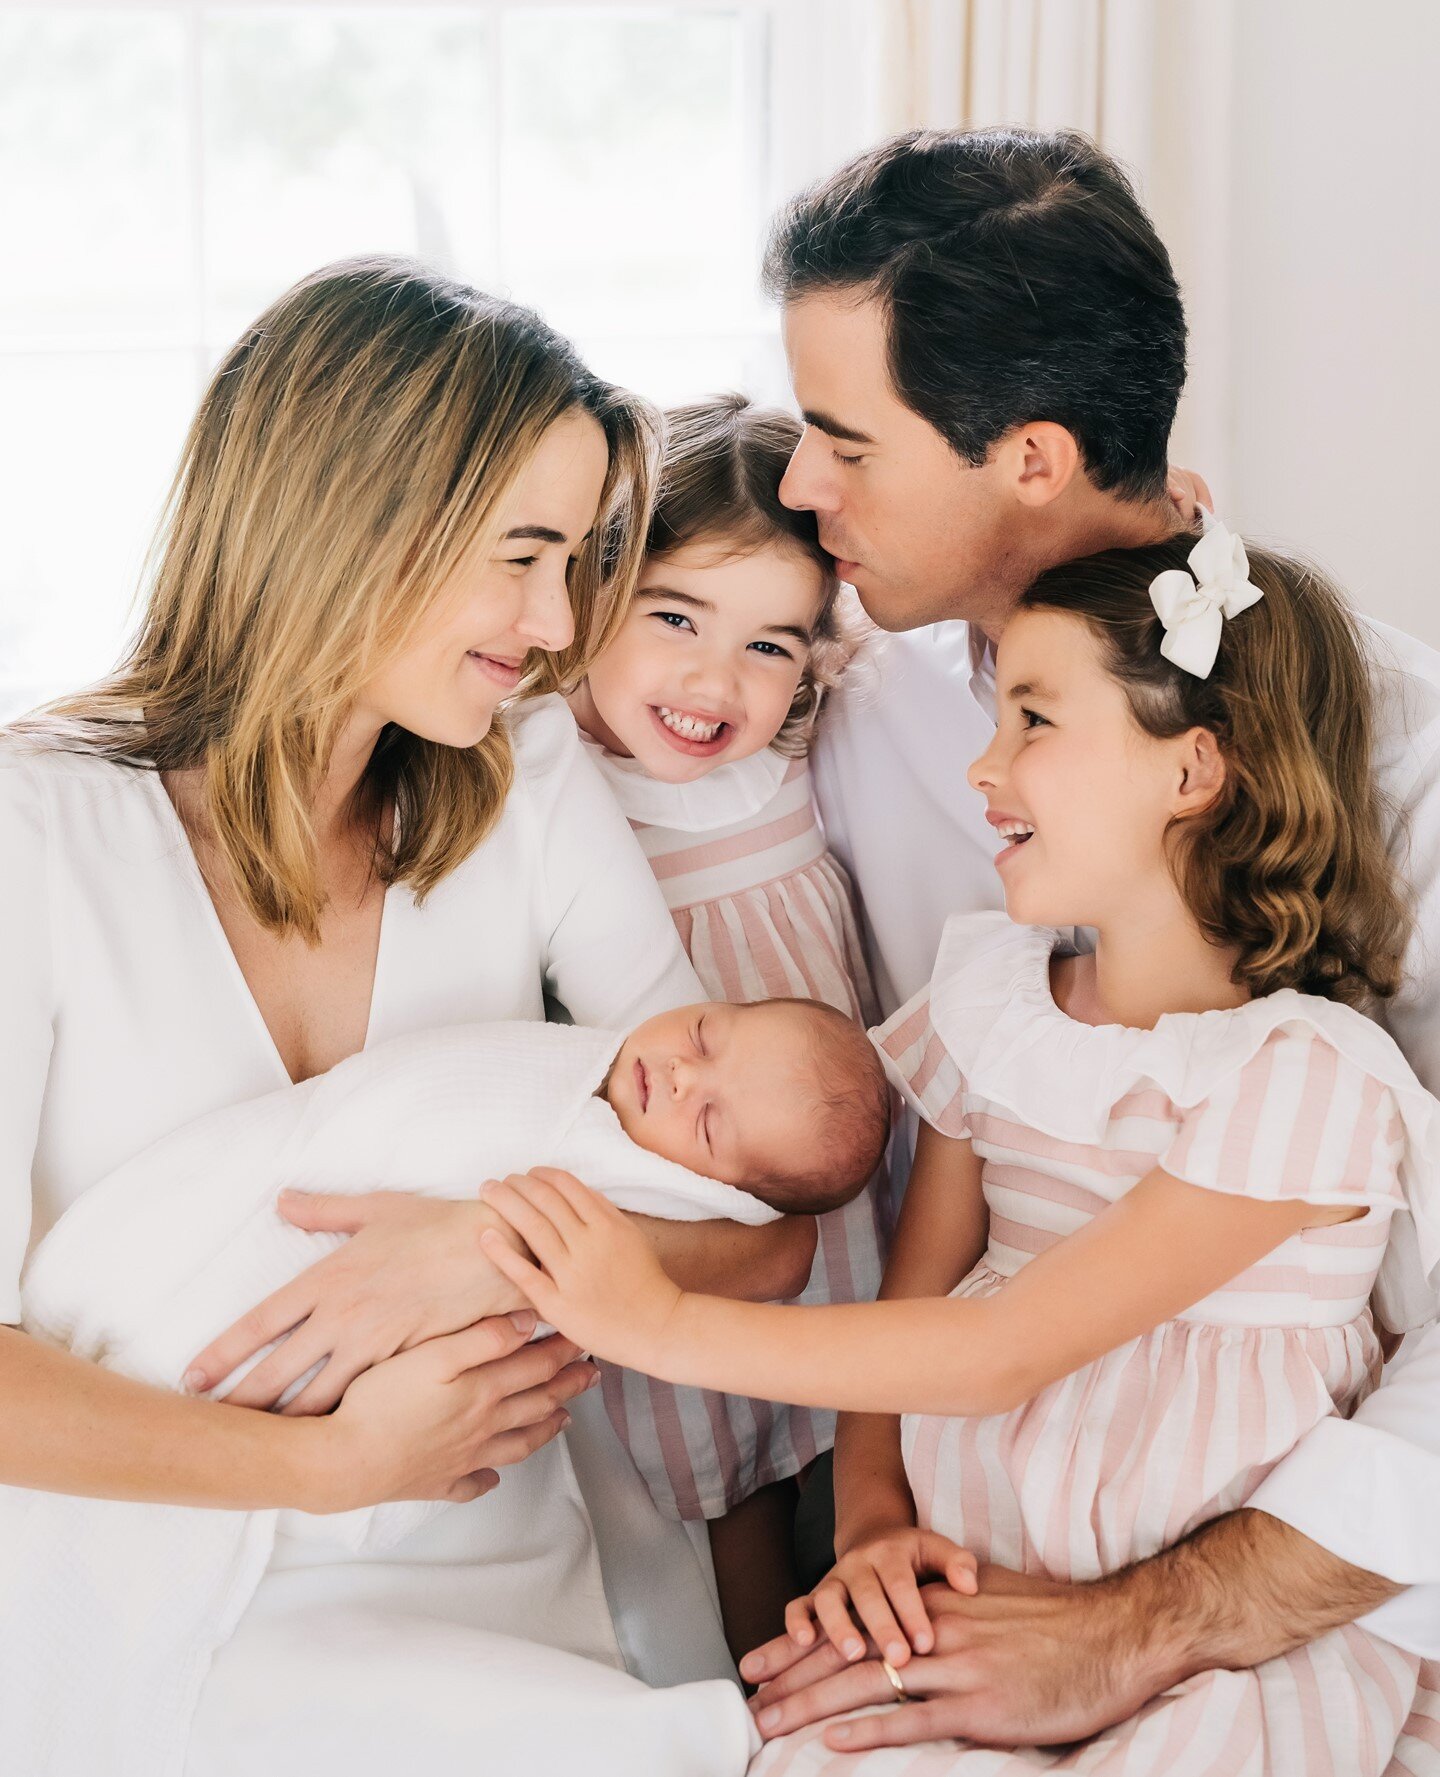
column 1154, row 1184
column 699, row 715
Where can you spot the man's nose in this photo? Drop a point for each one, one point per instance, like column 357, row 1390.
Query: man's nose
column 809, row 483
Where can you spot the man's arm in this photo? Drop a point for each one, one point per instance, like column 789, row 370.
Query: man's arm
column 1035, row 1663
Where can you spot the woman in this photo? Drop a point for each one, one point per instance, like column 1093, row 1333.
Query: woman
column 295, row 820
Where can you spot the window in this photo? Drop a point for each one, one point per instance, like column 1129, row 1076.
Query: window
column 165, row 171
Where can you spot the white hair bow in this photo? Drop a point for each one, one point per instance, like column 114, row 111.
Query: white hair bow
column 1193, row 610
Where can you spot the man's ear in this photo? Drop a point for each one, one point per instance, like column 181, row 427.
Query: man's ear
column 1202, row 773
column 1038, row 461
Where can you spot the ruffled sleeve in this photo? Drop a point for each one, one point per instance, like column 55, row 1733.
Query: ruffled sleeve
column 1300, row 1120
column 921, row 1068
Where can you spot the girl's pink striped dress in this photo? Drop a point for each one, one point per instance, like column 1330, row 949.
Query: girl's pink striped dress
column 1291, row 1096
column 764, row 912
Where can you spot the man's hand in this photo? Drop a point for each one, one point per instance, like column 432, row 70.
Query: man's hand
column 1031, row 1662
column 1021, row 1663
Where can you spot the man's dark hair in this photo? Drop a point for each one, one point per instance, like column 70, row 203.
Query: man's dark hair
column 1021, row 280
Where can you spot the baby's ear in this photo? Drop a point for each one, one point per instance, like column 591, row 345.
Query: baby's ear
column 1202, row 773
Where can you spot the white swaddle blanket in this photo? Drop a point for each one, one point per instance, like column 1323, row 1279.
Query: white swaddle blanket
column 171, row 1248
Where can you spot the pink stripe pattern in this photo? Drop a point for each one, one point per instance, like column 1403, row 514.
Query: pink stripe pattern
column 1131, row 1453
column 764, row 912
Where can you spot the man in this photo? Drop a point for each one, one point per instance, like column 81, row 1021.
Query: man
column 987, row 342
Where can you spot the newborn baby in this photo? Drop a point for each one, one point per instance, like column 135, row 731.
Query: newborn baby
column 712, row 1111
column 784, row 1099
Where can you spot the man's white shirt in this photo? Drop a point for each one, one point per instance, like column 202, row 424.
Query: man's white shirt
column 890, row 774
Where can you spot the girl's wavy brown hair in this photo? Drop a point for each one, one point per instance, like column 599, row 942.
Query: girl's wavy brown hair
column 719, row 485
column 1290, row 865
column 353, row 445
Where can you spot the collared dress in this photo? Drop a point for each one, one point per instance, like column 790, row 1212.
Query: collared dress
column 1287, row 1098
column 764, row 911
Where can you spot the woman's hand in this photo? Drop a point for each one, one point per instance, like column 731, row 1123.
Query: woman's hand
column 879, row 1580
column 438, row 1421
column 597, row 1278
column 412, row 1270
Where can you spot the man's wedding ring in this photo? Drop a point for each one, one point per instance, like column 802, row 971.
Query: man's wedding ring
column 901, row 1694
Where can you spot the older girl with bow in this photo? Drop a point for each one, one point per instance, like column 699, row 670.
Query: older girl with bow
column 1154, row 1183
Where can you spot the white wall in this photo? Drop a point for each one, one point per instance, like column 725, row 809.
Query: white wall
column 1333, row 408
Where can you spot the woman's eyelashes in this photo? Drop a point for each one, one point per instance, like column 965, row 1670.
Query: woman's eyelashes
column 1033, row 719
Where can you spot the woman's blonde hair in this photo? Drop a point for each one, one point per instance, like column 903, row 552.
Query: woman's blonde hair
column 1290, row 865
column 354, row 444
column 719, row 484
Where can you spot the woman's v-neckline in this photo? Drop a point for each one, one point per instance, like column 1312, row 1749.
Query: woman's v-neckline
column 231, row 963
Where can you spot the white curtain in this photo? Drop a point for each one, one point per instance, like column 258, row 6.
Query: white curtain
column 1149, row 80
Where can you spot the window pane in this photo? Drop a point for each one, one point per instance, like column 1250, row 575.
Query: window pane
column 669, row 371
column 86, row 455
column 628, row 198
column 93, row 182
column 336, row 131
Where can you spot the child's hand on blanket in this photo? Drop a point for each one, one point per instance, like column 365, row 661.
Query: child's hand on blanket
column 597, row 1278
column 879, row 1581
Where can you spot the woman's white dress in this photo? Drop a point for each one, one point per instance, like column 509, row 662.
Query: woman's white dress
column 123, row 1014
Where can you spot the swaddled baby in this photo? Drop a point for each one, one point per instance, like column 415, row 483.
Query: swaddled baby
column 711, row 1111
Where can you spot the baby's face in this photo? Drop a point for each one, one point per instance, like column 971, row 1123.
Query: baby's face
column 718, row 1089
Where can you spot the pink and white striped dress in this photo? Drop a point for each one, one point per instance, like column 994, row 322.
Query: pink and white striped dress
column 765, row 912
column 1288, row 1097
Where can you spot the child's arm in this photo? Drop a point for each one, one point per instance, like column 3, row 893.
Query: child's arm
column 880, row 1554
column 1164, row 1246
column 938, row 1239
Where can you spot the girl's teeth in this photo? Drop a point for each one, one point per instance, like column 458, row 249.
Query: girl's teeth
column 1015, row 830
column 689, row 727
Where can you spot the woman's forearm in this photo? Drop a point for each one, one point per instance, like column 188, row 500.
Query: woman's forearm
column 766, row 1264
column 71, row 1427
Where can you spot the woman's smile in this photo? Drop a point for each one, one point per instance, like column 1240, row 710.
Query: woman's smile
column 507, row 673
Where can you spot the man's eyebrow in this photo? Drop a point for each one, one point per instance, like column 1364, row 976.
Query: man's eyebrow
column 1041, row 693
column 833, row 428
